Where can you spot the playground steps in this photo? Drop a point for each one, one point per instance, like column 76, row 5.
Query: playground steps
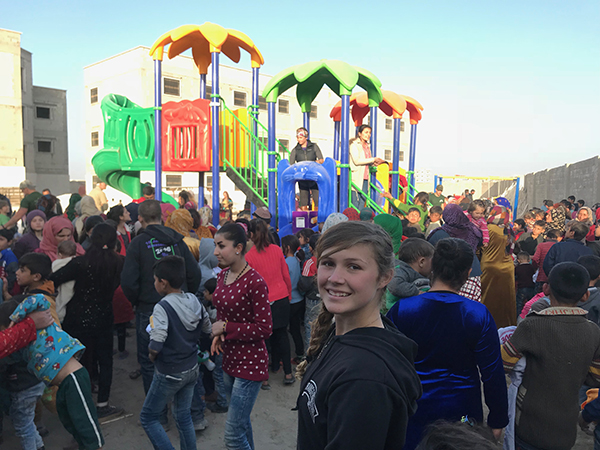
column 240, row 179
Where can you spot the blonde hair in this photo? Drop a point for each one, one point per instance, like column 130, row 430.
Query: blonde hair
column 340, row 237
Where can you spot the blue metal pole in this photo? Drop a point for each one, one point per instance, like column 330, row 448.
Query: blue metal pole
column 255, row 112
column 336, row 140
column 345, row 154
column 203, row 85
column 271, row 163
column 215, row 107
column 157, row 129
column 396, row 159
column 435, row 182
column 306, row 121
column 411, row 163
column 373, row 176
column 516, row 197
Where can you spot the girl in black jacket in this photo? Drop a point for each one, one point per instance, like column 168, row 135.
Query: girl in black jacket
column 89, row 315
column 359, row 384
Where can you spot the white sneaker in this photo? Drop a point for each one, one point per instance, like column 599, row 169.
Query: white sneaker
column 201, row 426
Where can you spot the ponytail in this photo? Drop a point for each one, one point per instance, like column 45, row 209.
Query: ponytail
column 291, row 243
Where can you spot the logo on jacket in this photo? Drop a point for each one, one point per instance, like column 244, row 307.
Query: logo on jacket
column 311, row 395
column 160, row 250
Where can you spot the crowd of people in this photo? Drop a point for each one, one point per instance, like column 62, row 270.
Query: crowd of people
column 399, row 322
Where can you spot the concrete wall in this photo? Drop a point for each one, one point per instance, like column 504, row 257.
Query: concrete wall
column 11, row 138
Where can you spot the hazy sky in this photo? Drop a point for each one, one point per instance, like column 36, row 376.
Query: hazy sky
column 508, row 87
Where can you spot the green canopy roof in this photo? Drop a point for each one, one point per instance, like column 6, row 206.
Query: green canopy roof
column 310, row 78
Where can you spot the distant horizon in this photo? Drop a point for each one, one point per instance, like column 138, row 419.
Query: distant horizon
column 508, row 89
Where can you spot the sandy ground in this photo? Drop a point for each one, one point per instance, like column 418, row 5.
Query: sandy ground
column 273, row 422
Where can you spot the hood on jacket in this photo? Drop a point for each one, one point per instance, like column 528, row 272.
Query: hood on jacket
column 208, row 260
column 396, row 351
column 187, row 307
column 162, row 234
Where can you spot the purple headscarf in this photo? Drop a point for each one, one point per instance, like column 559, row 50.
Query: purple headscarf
column 458, row 225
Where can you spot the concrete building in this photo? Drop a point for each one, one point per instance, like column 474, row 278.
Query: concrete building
column 33, row 142
column 131, row 74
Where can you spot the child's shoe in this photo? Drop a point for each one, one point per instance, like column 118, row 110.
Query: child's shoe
column 105, row 413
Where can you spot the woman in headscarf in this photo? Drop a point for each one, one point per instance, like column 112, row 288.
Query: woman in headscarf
column 555, row 219
column 181, row 221
column 334, row 219
column 351, row 214
column 457, row 225
column 498, row 270
column 586, row 216
column 70, row 211
column 200, row 232
column 55, row 231
column 33, row 235
column 206, row 221
column 88, row 208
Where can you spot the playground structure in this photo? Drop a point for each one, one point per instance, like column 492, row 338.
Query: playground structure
column 204, row 135
column 515, row 181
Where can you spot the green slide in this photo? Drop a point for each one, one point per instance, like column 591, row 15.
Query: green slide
column 128, row 146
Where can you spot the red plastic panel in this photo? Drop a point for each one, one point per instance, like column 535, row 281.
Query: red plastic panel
column 186, row 136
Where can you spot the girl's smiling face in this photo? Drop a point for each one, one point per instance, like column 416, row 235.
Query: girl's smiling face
column 349, row 280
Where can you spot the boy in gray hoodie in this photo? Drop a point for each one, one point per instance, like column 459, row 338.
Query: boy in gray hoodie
column 176, row 326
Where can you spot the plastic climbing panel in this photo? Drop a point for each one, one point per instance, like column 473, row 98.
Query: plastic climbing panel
column 186, row 136
column 236, row 139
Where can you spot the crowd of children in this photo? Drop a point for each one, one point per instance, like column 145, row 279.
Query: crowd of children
column 213, row 308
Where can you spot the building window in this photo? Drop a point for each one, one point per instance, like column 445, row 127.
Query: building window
column 401, row 126
column 174, row 180
column 388, row 124
column 42, row 112
column 284, row 106
column 95, row 139
column 171, row 86
column 95, row 180
column 262, row 103
column 209, row 181
column 239, row 98
column 401, row 155
column 388, row 155
column 285, row 143
column 313, row 112
column 44, row 146
column 265, row 141
column 93, row 95
column 208, row 92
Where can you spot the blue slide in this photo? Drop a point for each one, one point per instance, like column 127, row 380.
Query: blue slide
column 326, row 177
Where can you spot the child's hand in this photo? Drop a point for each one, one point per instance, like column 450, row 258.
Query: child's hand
column 42, row 319
column 216, row 347
column 152, row 354
column 485, row 244
column 387, row 195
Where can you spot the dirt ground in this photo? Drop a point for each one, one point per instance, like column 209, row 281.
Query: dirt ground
column 273, row 421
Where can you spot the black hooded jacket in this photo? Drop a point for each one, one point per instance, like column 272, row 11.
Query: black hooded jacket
column 151, row 244
column 359, row 392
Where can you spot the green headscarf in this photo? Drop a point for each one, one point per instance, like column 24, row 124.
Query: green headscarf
column 71, row 208
column 393, row 226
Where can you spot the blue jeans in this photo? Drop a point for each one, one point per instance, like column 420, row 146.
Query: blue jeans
column 217, row 374
column 359, row 200
column 180, row 388
column 22, row 412
column 242, row 395
column 310, row 314
column 198, row 404
column 142, row 319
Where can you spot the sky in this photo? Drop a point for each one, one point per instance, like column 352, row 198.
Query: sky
column 507, row 87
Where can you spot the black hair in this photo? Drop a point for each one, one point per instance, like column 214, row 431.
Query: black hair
column 244, row 221
column 150, row 211
column 185, row 195
column 363, row 127
column 421, row 197
column 171, row 269
column 520, row 222
column 234, row 232
column 571, row 198
column 452, row 261
column 195, row 218
column 105, row 264
column 540, row 223
column 7, row 233
column 37, row 263
column 147, row 190
column 436, row 210
column 580, row 230
column 442, row 435
column 524, row 255
column 591, row 264
column 306, row 233
column 411, row 232
column 210, row 285
column 115, row 213
column 566, row 203
column 413, row 209
column 548, row 203
column 259, row 233
column 88, row 225
column 476, row 204
column 581, row 202
column 6, row 310
column 290, row 241
column 553, row 234
column 312, row 241
column 568, row 282
column 414, row 248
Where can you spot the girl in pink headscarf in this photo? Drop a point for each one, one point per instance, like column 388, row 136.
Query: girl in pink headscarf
column 56, row 230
